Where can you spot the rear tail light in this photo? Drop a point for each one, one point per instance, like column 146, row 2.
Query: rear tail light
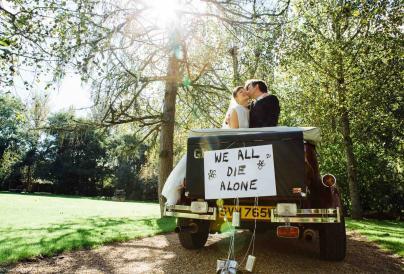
column 329, row 180
column 199, row 207
column 287, row 232
column 286, row 209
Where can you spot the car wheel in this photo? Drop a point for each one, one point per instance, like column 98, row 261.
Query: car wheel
column 195, row 240
column 333, row 241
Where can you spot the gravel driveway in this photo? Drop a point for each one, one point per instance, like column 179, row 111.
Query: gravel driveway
column 163, row 254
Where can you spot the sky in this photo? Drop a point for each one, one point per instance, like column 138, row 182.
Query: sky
column 70, row 92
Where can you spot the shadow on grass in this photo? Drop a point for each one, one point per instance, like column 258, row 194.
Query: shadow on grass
column 46, row 194
column 27, row 243
column 388, row 234
column 166, row 254
column 272, row 255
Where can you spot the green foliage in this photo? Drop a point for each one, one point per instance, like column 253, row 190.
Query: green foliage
column 36, row 31
column 126, row 158
column 382, row 184
column 12, row 123
column 344, row 59
column 336, row 65
column 72, row 154
column 47, row 225
column 13, row 134
column 75, row 157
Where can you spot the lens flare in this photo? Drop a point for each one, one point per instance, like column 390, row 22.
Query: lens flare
column 165, row 12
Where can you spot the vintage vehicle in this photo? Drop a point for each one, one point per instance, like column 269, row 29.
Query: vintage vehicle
column 300, row 202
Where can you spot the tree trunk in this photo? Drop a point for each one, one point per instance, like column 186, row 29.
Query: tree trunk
column 350, row 157
column 167, row 127
column 236, row 75
column 346, row 131
column 351, row 167
column 348, row 144
column 29, row 181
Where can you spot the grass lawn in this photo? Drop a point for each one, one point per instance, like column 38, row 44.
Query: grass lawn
column 389, row 235
column 33, row 225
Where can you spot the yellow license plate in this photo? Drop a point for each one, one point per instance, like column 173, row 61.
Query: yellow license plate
column 247, row 212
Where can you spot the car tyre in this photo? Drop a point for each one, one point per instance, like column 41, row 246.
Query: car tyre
column 194, row 240
column 333, row 241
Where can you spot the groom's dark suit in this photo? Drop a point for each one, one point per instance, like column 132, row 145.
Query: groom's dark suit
column 265, row 112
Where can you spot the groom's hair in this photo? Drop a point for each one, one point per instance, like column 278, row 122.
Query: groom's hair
column 236, row 90
column 261, row 84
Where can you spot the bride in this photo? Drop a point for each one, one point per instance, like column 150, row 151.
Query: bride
column 237, row 116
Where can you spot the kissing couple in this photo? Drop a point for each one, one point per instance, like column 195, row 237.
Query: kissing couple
column 251, row 107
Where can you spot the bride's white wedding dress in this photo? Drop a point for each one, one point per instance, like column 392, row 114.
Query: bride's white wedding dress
column 172, row 188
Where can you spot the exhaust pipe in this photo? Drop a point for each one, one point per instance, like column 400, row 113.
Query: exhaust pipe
column 191, row 228
column 308, row 235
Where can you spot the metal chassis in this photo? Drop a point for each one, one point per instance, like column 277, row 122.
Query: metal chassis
column 322, row 215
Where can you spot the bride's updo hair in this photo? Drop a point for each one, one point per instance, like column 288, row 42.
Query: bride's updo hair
column 236, row 90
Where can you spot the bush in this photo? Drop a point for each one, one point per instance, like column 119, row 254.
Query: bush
column 381, row 186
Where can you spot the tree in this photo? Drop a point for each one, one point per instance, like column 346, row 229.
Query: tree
column 331, row 48
column 101, row 38
column 75, row 156
column 126, row 157
column 13, row 134
column 36, row 116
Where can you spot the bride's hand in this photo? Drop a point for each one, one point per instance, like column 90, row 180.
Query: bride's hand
column 227, row 120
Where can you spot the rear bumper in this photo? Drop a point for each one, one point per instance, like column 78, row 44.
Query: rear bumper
column 184, row 211
column 322, row 215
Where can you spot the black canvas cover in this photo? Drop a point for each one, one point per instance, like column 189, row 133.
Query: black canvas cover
column 288, row 151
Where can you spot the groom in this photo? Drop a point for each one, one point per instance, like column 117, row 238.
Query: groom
column 264, row 112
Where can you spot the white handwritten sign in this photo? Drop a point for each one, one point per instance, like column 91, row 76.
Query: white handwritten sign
column 239, row 172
